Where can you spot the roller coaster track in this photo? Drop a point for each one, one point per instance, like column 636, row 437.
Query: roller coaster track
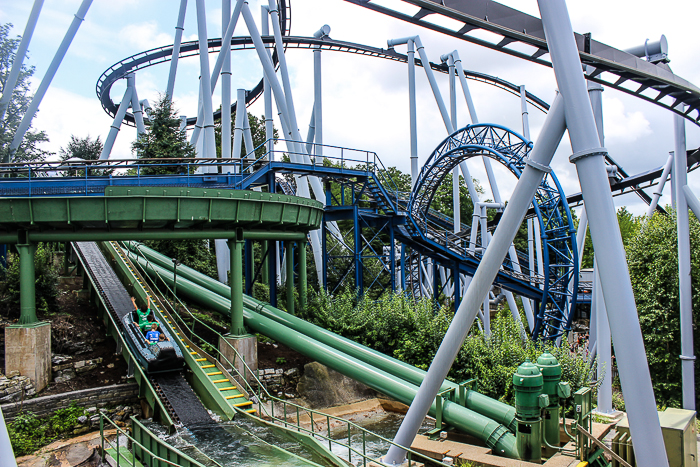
column 611, row 67
column 163, row 54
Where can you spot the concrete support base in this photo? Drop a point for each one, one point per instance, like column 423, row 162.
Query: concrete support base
column 28, row 350
column 247, row 347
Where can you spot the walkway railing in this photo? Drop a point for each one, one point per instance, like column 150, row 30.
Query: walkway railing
column 320, row 425
column 143, row 448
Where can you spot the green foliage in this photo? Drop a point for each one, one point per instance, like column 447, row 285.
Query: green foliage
column 86, row 149
column 28, row 150
column 46, row 280
column 281, row 360
column 163, row 139
column 653, row 265
column 412, row 332
column 28, row 432
column 630, row 226
column 194, row 253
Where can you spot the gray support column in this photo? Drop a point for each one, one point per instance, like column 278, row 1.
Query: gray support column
column 538, row 164
column 455, row 172
column 412, row 111
column 179, row 28
column 604, row 350
column 48, row 77
column 318, row 103
column 7, row 456
column 27, row 289
column 247, row 133
column 267, row 92
column 680, row 176
column 238, row 129
column 116, row 125
column 205, row 81
column 605, row 232
column 135, row 104
column 217, row 68
column 692, row 201
column 225, row 83
column 660, row 187
column 11, row 81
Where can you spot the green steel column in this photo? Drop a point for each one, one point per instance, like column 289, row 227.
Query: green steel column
column 236, row 282
column 289, row 252
column 27, row 280
column 302, row 275
column 265, row 260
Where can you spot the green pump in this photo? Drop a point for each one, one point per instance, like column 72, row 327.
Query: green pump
column 555, row 390
column 529, row 402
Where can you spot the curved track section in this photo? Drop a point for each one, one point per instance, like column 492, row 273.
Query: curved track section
column 558, row 234
column 507, row 26
column 164, row 54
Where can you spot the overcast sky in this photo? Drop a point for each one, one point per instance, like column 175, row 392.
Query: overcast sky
column 365, row 99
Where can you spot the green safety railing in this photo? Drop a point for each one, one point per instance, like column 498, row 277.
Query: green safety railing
column 143, row 448
column 288, row 408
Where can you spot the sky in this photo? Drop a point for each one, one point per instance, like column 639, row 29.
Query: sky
column 365, row 100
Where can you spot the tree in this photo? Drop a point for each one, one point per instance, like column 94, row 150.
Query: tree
column 82, row 148
column 629, row 227
column 28, row 151
column 652, row 257
column 163, row 139
column 86, row 149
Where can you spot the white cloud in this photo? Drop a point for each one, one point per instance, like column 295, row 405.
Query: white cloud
column 146, row 35
column 622, row 126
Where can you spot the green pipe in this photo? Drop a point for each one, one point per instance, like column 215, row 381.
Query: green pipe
column 146, row 234
column 495, row 435
column 236, row 287
column 495, row 410
column 27, row 284
column 289, row 250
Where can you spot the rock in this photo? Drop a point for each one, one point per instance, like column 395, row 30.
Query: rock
column 323, row 387
column 111, row 365
column 292, row 372
column 289, row 396
column 82, row 419
column 79, row 453
column 13, row 374
column 92, row 410
column 270, row 371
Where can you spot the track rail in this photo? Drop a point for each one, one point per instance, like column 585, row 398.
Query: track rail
column 608, row 66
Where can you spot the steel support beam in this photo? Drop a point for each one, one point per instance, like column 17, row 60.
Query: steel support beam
column 589, row 158
column 484, row 276
column 289, row 259
column 680, row 176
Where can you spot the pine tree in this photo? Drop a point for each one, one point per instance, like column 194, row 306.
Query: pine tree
column 163, row 139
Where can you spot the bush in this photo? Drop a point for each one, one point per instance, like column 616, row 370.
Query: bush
column 28, row 432
column 412, row 331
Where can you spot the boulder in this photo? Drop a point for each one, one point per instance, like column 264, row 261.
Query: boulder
column 322, row 387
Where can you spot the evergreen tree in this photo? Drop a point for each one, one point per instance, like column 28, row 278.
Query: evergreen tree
column 163, row 139
column 28, row 151
column 86, row 149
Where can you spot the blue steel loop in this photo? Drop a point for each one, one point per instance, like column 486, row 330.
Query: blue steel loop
column 560, row 258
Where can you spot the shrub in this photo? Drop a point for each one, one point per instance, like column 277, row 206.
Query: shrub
column 28, row 432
